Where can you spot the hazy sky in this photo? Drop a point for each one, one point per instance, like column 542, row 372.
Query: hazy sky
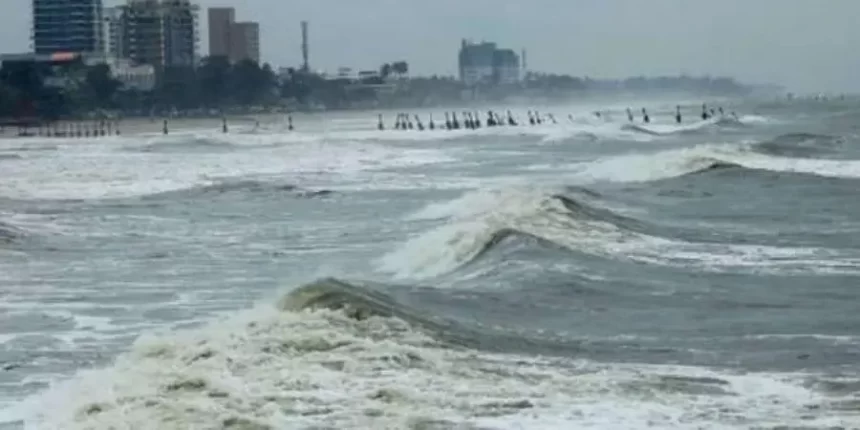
column 808, row 45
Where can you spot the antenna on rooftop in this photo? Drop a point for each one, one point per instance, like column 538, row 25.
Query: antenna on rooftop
column 305, row 48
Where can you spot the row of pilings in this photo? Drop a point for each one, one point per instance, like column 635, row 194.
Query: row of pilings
column 473, row 120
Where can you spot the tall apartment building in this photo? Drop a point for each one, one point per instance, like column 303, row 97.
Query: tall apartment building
column 506, row 67
column 220, row 21
column 113, row 32
column 485, row 63
column 162, row 33
column 237, row 41
column 476, row 62
column 67, row 26
column 181, row 38
column 245, row 42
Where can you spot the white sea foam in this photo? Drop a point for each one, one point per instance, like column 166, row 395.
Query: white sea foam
column 281, row 369
column 477, row 217
column 655, row 165
column 286, row 370
column 101, row 171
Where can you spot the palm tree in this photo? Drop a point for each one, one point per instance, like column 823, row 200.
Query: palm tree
column 385, row 70
column 400, row 67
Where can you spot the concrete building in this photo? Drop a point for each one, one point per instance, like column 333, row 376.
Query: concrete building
column 237, row 41
column 181, row 37
column 506, row 67
column 67, row 26
column 113, row 32
column 140, row 77
column 220, row 21
column 476, row 62
column 245, row 42
column 484, row 64
column 161, row 33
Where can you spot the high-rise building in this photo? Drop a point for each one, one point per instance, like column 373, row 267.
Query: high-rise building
column 162, row 33
column 484, row 63
column 506, row 67
column 476, row 62
column 220, row 21
column 181, row 38
column 113, row 33
column 245, row 42
column 67, row 26
column 237, row 41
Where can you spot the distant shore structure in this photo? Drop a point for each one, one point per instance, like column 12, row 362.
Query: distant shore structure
column 54, row 30
column 236, row 41
column 306, row 67
column 486, row 64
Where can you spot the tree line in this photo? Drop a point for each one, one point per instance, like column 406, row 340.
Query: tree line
column 31, row 89
column 76, row 89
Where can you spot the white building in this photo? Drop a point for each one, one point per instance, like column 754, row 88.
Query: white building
column 140, row 77
column 113, row 32
column 476, row 62
column 162, row 33
column 485, row 64
column 506, row 67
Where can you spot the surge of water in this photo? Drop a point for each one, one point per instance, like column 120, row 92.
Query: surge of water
column 586, row 274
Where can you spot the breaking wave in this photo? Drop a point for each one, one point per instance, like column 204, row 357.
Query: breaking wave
column 644, row 167
column 478, row 222
column 305, row 365
column 235, row 186
column 228, row 188
column 800, row 145
column 183, row 145
column 694, row 127
column 10, row 233
column 212, row 142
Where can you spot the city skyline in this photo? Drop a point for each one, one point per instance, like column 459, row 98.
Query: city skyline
column 791, row 42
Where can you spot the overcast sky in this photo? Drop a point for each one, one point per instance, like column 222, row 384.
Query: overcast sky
column 808, row 45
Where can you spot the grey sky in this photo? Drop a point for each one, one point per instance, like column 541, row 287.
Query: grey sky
column 809, row 45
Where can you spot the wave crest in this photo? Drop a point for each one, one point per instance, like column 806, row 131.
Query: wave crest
column 584, row 227
column 800, row 145
column 10, row 233
column 689, row 128
column 639, row 167
column 489, row 218
column 236, row 186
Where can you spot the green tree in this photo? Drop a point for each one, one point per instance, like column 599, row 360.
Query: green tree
column 26, row 87
column 385, row 70
column 8, row 97
column 178, row 89
column 100, row 86
column 213, row 80
column 247, row 83
column 400, row 67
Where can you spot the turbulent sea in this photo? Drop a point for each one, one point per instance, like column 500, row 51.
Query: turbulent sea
column 588, row 274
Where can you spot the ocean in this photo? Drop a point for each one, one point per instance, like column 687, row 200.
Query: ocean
column 593, row 273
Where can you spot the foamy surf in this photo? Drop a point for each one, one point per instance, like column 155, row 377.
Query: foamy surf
column 652, row 166
column 478, row 221
column 527, row 272
column 95, row 175
column 269, row 368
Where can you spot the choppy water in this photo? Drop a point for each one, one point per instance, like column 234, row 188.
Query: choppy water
column 590, row 274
